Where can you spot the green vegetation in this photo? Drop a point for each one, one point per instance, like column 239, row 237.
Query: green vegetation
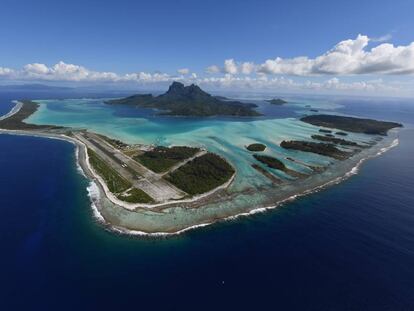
column 328, row 150
column 350, row 124
column 335, row 140
column 135, row 195
column 341, row 133
column 15, row 122
column 277, row 101
column 202, row 174
column 270, row 162
column 115, row 182
column 277, row 164
column 256, row 147
column 160, row 159
column 114, row 142
column 182, row 100
column 325, row 131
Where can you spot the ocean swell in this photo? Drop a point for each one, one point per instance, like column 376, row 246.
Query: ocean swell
column 94, row 194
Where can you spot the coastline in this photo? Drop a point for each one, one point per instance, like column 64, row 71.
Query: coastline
column 99, row 194
column 353, row 171
column 16, row 108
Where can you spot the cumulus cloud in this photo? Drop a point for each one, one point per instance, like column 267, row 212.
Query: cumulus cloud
column 348, row 57
column 36, row 69
column 247, row 68
column 183, row 71
column 64, row 72
column 6, row 71
column 230, row 66
column 213, row 69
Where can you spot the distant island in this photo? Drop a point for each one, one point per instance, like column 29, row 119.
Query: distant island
column 351, row 124
column 277, row 101
column 190, row 100
column 35, row 88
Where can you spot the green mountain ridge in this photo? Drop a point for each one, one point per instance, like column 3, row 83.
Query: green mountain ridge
column 190, row 100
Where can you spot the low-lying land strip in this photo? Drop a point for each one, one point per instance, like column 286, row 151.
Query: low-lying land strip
column 15, row 121
column 160, row 159
column 139, row 176
column 325, row 131
column 256, row 147
column 202, row 174
column 277, row 164
column 277, row 101
column 15, row 109
column 115, row 182
column 324, row 149
column 350, row 124
column 335, row 140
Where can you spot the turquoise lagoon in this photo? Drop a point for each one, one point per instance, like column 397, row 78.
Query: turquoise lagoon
column 250, row 191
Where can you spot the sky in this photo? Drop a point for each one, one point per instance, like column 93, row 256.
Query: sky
column 361, row 47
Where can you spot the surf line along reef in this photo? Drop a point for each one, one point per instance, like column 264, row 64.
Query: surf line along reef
column 157, row 190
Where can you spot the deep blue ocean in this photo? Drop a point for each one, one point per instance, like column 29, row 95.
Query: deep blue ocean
column 349, row 247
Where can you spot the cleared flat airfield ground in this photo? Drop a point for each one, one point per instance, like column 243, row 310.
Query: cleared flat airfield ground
column 138, row 175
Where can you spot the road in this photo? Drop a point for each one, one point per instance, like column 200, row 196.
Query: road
column 140, row 176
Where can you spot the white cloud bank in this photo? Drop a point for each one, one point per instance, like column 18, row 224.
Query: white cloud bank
column 183, row 71
column 348, row 57
column 334, row 85
column 62, row 72
column 75, row 73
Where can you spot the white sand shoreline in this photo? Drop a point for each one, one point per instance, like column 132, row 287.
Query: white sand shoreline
column 16, row 108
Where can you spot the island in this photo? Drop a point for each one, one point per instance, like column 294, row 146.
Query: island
column 325, row 131
column 278, row 165
column 167, row 189
column 161, row 158
column 324, row 149
column 190, row 100
column 134, row 175
column 256, row 147
column 202, row 174
column 336, row 140
column 277, row 101
column 351, row 124
column 14, row 121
